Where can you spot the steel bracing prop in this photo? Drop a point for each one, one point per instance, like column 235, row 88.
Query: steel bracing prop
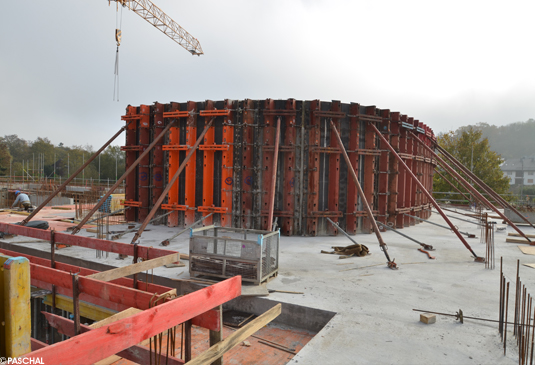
column 424, row 245
column 168, row 240
column 274, row 176
column 70, row 178
column 171, row 183
column 467, row 186
column 464, row 220
column 391, row 264
column 504, row 203
column 424, row 190
column 467, row 234
column 126, row 173
column 336, row 226
column 451, row 184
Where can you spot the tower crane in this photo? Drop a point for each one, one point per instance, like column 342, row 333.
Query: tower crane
column 155, row 16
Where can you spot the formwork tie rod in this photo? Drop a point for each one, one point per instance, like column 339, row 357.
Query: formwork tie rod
column 426, row 246
column 391, row 263
column 469, row 235
column 424, row 190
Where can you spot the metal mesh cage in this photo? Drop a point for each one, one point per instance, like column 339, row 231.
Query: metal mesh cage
column 227, row 252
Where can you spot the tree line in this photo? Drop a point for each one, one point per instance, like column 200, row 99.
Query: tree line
column 42, row 159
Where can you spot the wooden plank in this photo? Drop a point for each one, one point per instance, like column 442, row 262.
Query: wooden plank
column 216, row 351
column 136, row 353
column 530, row 265
column 514, row 234
column 134, row 268
column 216, row 336
column 516, row 240
column 36, row 344
column 527, row 250
column 17, row 306
column 100, row 343
column 87, row 310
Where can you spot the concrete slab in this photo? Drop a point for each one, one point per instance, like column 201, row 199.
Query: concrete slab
column 375, row 323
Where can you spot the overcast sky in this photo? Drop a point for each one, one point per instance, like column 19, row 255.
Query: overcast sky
column 447, row 64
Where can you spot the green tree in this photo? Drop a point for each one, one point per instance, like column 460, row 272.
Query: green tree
column 5, row 159
column 468, row 147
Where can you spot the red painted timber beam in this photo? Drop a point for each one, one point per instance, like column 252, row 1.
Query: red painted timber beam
column 103, row 342
column 93, row 243
column 138, row 354
column 435, row 204
column 128, row 297
column 148, row 287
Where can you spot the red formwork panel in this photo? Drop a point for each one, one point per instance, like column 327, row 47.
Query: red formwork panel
column 143, row 177
column 383, row 173
column 352, row 191
column 288, row 150
column 268, row 148
column 227, row 165
column 173, row 148
column 313, row 172
column 393, row 170
column 131, row 153
column 191, row 167
column 157, row 163
column 230, row 174
column 401, row 219
column 246, row 165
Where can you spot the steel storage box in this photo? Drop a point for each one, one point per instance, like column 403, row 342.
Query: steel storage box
column 227, row 252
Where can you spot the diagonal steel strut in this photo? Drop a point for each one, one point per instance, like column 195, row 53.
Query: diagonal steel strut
column 424, row 190
column 383, row 245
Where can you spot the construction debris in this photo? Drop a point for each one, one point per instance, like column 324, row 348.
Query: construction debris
column 349, row 251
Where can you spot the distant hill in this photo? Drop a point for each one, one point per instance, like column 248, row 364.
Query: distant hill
column 510, row 141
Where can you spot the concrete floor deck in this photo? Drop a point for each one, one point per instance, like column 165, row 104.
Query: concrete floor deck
column 375, row 323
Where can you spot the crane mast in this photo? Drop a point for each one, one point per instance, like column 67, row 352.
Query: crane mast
column 160, row 20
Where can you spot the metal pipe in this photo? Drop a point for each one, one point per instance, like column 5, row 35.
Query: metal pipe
column 185, row 229
column 426, row 246
column 172, row 182
column 470, row 187
column 469, row 235
column 451, row 184
column 465, row 317
column 335, row 225
column 506, row 311
column 119, row 235
column 126, row 173
column 383, row 246
column 62, row 186
column 464, row 220
column 424, row 190
column 483, row 185
column 274, row 177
